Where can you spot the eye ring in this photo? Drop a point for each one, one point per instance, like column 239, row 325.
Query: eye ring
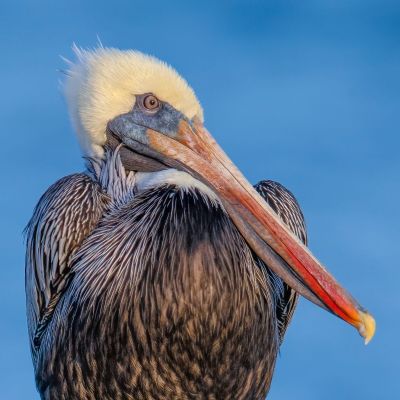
column 150, row 103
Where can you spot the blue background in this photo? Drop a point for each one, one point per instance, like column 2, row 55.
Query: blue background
column 303, row 92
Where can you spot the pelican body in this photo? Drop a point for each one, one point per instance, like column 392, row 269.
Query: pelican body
column 159, row 272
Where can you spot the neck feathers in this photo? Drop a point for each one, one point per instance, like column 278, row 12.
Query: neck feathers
column 122, row 185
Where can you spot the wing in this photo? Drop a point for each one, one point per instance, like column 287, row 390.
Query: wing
column 64, row 216
column 286, row 207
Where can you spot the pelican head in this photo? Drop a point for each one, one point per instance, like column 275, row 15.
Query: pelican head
column 134, row 99
column 106, row 83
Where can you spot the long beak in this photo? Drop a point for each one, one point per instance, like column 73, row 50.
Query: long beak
column 195, row 150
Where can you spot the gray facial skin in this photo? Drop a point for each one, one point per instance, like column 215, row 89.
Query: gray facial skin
column 130, row 129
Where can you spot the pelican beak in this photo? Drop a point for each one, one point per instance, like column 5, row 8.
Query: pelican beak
column 195, row 151
column 188, row 146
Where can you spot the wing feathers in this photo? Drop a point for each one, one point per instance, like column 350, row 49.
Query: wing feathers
column 63, row 218
column 286, row 207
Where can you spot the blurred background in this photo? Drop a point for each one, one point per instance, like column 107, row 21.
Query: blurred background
column 302, row 92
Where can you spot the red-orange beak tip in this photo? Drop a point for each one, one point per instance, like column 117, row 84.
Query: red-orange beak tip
column 367, row 326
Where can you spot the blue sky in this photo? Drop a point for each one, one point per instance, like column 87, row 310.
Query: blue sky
column 306, row 93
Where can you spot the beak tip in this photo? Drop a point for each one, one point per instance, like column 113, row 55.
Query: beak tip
column 367, row 326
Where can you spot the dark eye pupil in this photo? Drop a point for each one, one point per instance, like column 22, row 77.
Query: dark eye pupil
column 151, row 102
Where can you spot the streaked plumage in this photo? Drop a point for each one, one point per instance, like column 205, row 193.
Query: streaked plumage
column 183, row 308
column 158, row 272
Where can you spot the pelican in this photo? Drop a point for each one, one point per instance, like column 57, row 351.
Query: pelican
column 159, row 272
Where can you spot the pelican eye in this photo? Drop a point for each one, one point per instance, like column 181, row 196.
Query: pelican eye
column 151, row 103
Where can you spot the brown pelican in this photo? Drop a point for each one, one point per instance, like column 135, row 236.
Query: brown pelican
column 160, row 272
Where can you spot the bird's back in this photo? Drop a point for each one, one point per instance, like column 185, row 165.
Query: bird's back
column 165, row 303
column 162, row 299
